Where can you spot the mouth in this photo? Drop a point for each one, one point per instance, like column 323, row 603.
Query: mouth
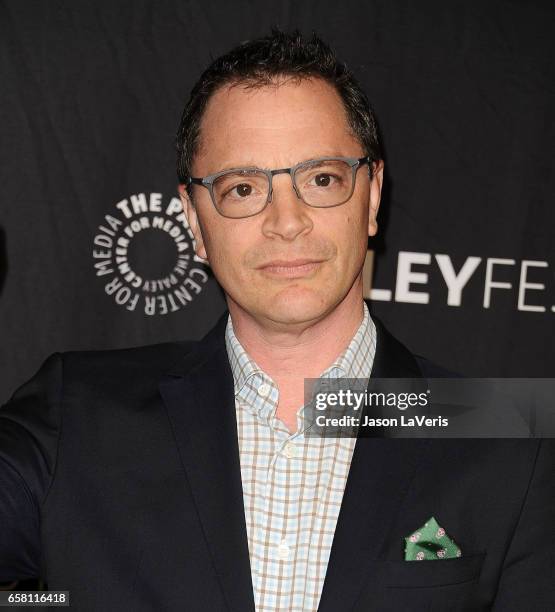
column 296, row 268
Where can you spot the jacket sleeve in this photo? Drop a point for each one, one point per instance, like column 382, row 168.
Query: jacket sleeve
column 30, row 426
column 527, row 580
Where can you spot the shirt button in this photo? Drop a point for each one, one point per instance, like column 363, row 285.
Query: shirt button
column 283, row 550
column 264, row 389
column 290, row 451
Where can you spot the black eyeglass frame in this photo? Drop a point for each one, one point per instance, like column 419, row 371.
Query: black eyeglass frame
column 208, row 181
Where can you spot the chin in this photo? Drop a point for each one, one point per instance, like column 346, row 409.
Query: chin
column 297, row 306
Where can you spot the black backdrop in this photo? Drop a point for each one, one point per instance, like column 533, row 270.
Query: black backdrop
column 91, row 94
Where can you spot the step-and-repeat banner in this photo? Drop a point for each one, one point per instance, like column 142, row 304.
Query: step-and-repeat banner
column 95, row 251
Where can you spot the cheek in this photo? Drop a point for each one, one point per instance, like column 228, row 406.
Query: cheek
column 220, row 255
column 352, row 234
column 351, row 238
column 225, row 249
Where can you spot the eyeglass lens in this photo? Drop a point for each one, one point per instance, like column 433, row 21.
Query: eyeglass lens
column 320, row 183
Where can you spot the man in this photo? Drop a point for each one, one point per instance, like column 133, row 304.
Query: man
column 179, row 476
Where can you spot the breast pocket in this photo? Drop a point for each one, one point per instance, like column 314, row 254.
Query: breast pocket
column 444, row 572
column 446, row 585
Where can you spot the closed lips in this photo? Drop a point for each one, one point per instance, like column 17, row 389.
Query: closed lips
column 289, row 264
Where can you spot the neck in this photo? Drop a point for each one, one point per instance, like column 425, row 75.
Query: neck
column 289, row 352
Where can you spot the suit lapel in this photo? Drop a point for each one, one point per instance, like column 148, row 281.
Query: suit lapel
column 198, row 394
column 380, row 474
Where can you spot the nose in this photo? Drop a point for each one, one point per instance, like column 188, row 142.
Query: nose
column 286, row 216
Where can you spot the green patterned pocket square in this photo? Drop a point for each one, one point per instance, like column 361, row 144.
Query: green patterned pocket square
column 430, row 543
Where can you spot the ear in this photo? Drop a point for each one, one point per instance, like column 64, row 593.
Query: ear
column 375, row 196
column 193, row 221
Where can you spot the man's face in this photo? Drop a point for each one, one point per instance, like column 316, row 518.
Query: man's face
column 277, row 127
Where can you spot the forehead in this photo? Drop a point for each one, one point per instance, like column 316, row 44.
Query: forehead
column 274, row 125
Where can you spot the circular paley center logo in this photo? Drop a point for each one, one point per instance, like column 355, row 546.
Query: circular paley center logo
column 144, row 253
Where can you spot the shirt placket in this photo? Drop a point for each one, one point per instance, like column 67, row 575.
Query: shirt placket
column 280, row 508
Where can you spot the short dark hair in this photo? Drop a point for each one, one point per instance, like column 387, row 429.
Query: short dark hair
column 260, row 62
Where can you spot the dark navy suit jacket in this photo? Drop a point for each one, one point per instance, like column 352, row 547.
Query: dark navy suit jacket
column 120, row 482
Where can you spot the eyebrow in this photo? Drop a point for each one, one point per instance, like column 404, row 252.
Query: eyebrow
column 229, row 166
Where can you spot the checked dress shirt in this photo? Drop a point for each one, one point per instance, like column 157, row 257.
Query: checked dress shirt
column 292, row 485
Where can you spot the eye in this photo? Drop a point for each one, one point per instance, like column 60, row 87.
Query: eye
column 324, row 179
column 243, row 190
column 239, row 191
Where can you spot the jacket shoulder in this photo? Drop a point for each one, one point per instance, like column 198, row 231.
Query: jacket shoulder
column 394, row 359
column 139, row 362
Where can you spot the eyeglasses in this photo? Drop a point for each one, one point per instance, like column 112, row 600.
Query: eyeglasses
column 321, row 183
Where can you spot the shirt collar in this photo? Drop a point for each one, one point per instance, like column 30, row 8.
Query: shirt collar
column 354, row 362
